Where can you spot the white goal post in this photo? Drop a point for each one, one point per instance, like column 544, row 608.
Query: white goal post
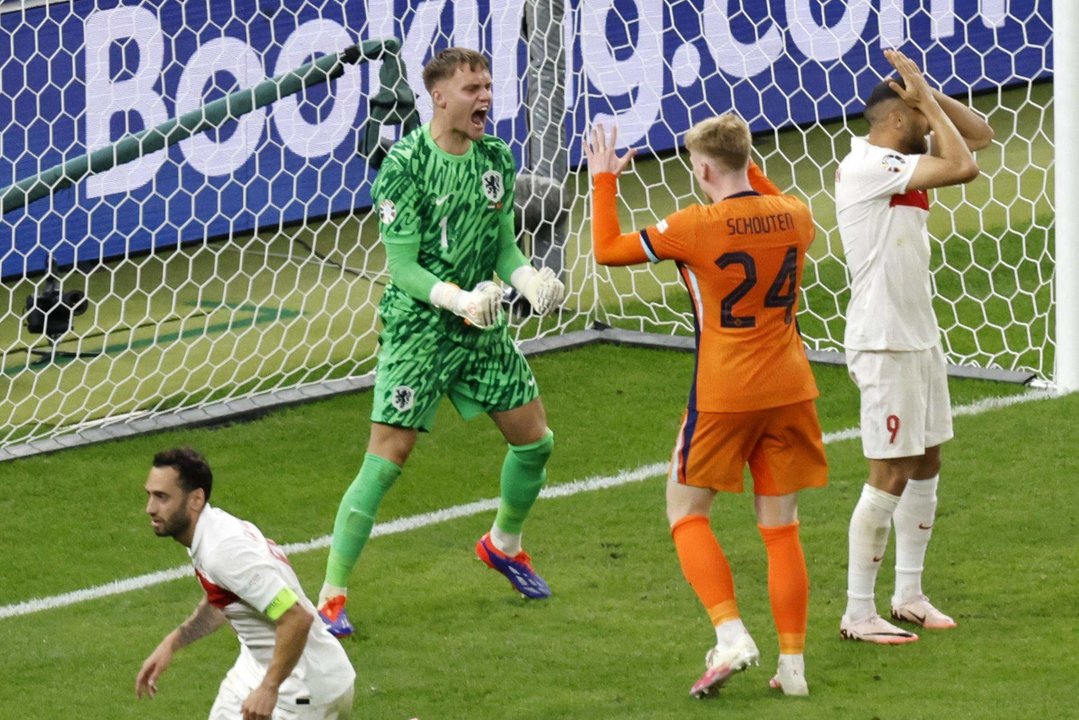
column 1066, row 248
column 239, row 268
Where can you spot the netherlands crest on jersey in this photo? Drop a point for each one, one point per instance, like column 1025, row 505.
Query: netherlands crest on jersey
column 492, row 185
column 387, row 211
column 402, row 397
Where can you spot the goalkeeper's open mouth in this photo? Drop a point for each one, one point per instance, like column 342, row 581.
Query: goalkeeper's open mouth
column 479, row 117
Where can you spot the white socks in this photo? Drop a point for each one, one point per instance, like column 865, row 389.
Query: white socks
column 508, row 543
column 913, row 518
column 730, row 632
column 870, row 524
column 913, row 514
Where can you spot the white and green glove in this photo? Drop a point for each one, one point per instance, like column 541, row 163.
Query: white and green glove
column 479, row 306
column 543, row 290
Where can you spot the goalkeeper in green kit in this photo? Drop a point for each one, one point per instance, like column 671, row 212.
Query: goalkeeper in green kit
column 444, row 196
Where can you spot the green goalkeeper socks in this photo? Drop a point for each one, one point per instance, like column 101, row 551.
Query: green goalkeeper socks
column 356, row 516
column 523, row 475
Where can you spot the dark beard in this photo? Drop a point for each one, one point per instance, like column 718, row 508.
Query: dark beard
column 915, row 146
column 173, row 526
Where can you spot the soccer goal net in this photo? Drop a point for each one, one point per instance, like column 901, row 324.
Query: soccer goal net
column 150, row 272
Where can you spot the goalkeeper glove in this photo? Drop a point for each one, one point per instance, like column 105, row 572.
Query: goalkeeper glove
column 479, row 306
column 541, row 288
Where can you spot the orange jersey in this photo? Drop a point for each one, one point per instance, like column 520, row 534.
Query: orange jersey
column 741, row 260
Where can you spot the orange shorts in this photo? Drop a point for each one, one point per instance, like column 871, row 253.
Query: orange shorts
column 782, row 446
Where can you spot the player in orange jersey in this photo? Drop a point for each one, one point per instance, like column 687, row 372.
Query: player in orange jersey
column 752, row 396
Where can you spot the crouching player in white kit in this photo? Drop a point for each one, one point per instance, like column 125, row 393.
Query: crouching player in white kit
column 290, row 667
column 892, row 340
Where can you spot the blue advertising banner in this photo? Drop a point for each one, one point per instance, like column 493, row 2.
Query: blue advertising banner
column 76, row 76
column 655, row 67
column 83, row 74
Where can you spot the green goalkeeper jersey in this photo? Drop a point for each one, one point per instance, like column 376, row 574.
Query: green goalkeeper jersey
column 456, row 206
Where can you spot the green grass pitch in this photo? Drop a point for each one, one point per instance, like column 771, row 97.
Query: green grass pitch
column 623, row 637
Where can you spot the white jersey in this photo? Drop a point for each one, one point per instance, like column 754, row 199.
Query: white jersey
column 885, row 234
column 242, row 573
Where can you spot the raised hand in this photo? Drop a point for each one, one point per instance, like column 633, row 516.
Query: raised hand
column 601, row 152
column 917, row 91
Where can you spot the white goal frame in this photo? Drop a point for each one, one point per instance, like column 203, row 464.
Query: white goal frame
column 1066, row 97
column 554, row 80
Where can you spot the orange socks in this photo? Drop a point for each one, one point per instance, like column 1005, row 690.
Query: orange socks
column 706, row 568
column 788, row 585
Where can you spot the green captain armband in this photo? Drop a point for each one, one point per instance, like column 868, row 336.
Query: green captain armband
column 281, row 602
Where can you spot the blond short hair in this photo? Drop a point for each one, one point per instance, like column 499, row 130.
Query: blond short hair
column 444, row 65
column 724, row 138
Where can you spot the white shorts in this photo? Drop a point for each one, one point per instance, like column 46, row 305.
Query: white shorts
column 905, row 402
column 235, row 688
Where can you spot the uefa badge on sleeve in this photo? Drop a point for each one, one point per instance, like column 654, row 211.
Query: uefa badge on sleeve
column 893, row 163
column 387, row 212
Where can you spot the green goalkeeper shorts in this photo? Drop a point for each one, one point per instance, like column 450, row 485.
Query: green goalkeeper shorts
column 416, row 367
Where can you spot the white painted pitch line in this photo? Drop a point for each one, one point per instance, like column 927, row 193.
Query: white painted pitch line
column 415, row 522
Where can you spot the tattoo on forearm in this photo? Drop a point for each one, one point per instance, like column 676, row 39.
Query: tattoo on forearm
column 202, row 622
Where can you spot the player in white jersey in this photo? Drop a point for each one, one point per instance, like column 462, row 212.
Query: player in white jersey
column 918, row 139
column 289, row 664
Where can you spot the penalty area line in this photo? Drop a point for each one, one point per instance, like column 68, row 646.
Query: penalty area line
column 415, row 522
